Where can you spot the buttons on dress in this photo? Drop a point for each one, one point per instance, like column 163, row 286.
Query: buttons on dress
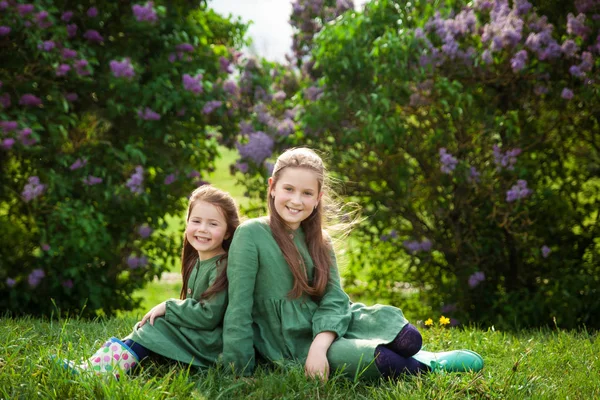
column 189, row 291
column 292, row 236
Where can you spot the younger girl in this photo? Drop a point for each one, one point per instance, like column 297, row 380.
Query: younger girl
column 285, row 297
column 188, row 330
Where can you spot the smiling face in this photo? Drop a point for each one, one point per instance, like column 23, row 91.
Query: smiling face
column 206, row 229
column 295, row 194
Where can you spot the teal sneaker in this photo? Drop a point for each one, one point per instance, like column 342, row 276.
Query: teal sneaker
column 451, row 361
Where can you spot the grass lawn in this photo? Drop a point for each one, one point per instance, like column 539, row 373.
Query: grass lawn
column 539, row 364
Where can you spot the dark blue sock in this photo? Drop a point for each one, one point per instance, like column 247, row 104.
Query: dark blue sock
column 407, row 343
column 392, row 365
column 138, row 349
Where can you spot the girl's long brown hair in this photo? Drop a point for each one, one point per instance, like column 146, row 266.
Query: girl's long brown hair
column 319, row 247
column 189, row 256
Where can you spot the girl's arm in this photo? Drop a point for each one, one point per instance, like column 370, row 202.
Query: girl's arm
column 333, row 314
column 238, row 344
column 194, row 314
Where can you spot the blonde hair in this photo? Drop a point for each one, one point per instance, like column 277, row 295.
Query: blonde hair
column 189, row 256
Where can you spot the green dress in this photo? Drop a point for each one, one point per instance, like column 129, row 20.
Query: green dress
column 192, row 329
column 261, row 315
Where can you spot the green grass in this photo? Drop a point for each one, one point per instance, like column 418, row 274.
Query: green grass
column 529, row 364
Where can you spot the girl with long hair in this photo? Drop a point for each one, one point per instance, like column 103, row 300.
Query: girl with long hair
column 285, row 297
column 189, row 329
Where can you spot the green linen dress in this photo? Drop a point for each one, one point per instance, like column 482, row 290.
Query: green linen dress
column 260, row 313
column 192, row 329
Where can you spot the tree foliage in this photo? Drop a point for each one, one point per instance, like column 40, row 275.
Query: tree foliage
column 106, row 112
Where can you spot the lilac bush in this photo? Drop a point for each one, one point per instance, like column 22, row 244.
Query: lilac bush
column 94, row 144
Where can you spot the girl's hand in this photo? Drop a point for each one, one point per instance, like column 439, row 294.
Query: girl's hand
column 317, row 365
column 158, row 311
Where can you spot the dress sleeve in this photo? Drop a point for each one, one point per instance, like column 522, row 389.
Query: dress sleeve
column 333, row 313
column 191, row 313
column 238, row 344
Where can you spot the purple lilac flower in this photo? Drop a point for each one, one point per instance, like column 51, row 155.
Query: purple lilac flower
column 211, row 106
column 8, row 143
column 170, row 179
column 33, row 189
column 9, row 126
column 35, row 277
column 122, row 69
column 546, row 251
column 25, row 9
column 262, row 114
column 587, row 61
column 242, row 167
column 71, row 30
column 286, row 127
column 181, row 112
column 67, row 284
column 269, row 167
column 384, row 238
column 393, row 234
column 504, row 29
column 10, row 282
column 192, row 84
column 245, row 128
column 476, row 279
column 576, row 25
column 505, row 160
column 193, row 174
column 412, row 246
column 4, row 30
column 540, row 90
column 172, row 57
column 48, row 45
column 313, row 93
column 79, row 163
column 225, row 65
column 62, row 69
column 145, row 13
column 42, row 21
column 46, row 247
column 148, row 114
column 68, row 53
column 93, row 36
column 91, row 180
column 567, row 94
column 133, row 261
column 135, row 182
column 66, row 16
column 522, row 6
column 518, row 191
column 25, row 137
column 71, row 97
column 92, row 12
column 279, row 96
column 474, row 175
column 517, row 63
column 81, row 67
column 144, row 231
column 448, row 161
column 142, row 261
column 258, row 148
column 30, row 100
column 5, row 100
column 569, row 48
column 186, row 47
column 3, row 5
column 230, row 87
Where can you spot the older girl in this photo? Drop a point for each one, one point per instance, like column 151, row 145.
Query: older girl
column 285, row 297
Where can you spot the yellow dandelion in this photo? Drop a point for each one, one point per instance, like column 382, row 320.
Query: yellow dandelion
column 444, row 320
column 429, row 322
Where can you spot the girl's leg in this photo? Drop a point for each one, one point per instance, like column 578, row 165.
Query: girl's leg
column 391, row 364
column 138, row 349
column 407, row 343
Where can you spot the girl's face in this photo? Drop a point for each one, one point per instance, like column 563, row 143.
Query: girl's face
column 206, row 229
column 296, row 194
